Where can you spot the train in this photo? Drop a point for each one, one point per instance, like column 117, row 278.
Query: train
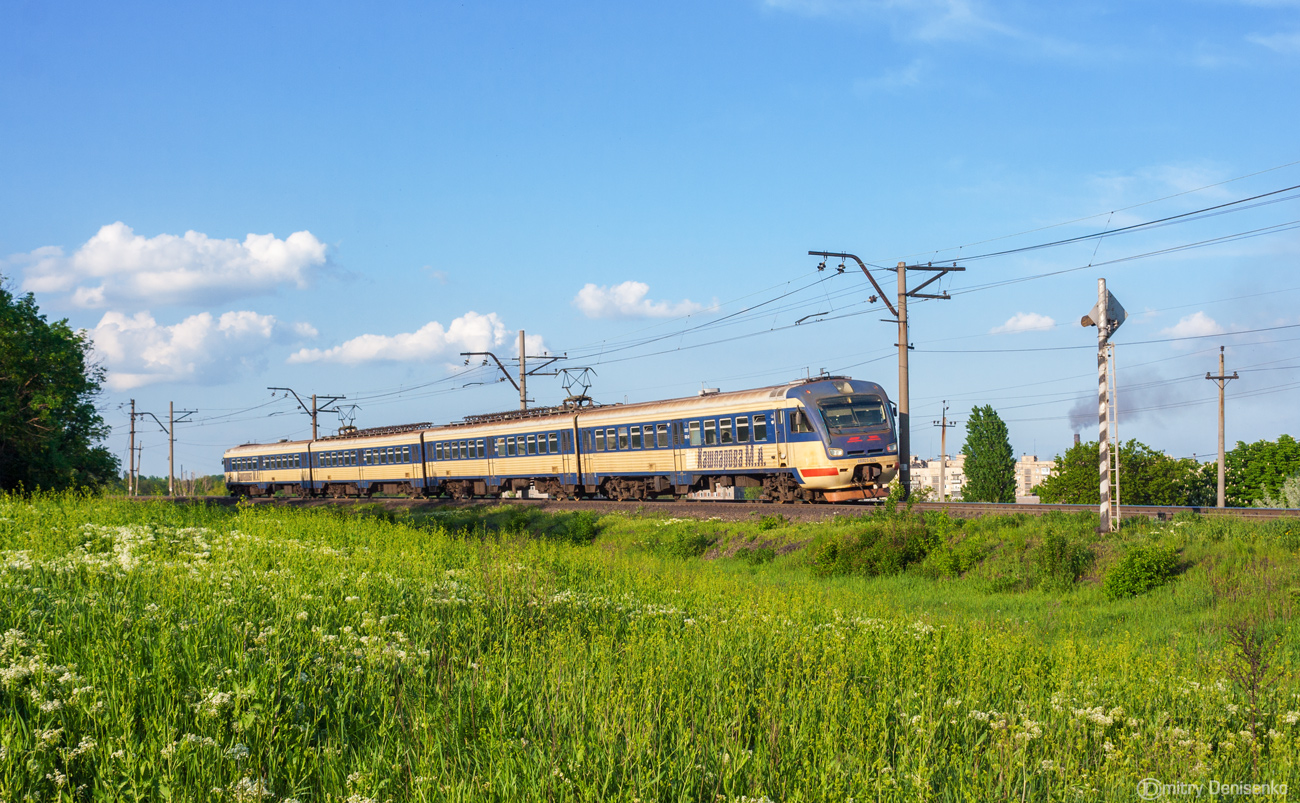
column 818, row 439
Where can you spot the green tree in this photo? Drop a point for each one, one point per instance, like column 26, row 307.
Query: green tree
column 990, row 465
column 48, row 422
column 1258, row 470
column 1146, row 477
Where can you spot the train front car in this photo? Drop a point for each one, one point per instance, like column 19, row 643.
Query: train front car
column 842, row 440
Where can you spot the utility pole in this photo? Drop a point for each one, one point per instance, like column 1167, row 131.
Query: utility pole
column 130, row 460
column 1221, row 380
column 172, row 421
column 943, row 450
column 900, row 314
column 314, row 409
column 523, row 373
column 522, row 384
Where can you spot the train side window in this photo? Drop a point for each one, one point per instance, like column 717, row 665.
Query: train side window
column 531, row 443
column 693, row 433
column 622, row 437
column 482, row 448
column 297, row 461
column 760, row 428
column 555, row 443
column 600, row 440
column 710, row 434
column 725, row 434
column 406, row 454
column 437, row 451
column 541, row 443
column 636, row 437
column 464, row 450
column 611, row 438
column 661, row 436
column 566, row 442
column 352, row 458
column 510, row 446
column 499, row 447
column 742, row 429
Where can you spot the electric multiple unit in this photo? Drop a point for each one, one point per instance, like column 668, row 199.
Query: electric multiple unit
column 823, row 439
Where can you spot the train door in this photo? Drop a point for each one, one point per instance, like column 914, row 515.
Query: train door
column 782, row 437
column 304, row 471
column 679, row 454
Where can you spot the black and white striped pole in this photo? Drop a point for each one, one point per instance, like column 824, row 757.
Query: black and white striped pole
column 1106, row 315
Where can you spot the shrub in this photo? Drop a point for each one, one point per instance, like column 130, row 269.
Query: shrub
column 887, row 545
column 1145, row 567
column 772, row 522
column 1062, row 561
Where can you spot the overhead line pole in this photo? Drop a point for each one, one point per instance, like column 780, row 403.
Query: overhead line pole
column 1222, row 381
column 314, row 410
column 524, row 373
column 900, row 314
column 943, row 425
column 130, row 460
column 172, row 421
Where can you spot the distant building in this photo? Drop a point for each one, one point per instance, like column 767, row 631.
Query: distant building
column 1030, row 471
column 925, row 474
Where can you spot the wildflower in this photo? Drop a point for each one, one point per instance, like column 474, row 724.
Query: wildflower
column 238, row 752
column 1291, row 717
column 351, row 599
column 301, row 616
column 247, row 789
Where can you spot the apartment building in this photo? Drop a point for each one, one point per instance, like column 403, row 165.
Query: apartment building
column 1030, row 471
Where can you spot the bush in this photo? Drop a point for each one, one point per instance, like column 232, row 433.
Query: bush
column 772, row 522
column 1062, row 561
column 887, row 545
column 1145, row 567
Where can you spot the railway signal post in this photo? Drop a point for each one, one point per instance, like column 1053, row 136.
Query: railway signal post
column 900, row 315
column 1107, row 315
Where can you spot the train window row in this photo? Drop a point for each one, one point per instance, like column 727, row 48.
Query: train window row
column 704, row 432
column 336, row 459
column 385, row 456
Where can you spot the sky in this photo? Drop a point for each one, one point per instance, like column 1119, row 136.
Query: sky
column 340, row 198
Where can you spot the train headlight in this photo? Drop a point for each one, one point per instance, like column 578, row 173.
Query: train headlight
column 893, row 447
column 835, row 452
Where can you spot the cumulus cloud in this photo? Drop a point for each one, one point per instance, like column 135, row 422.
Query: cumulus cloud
column 120, row 268
column 1024, row 322
column 469, row 332
column 203, row 348
column 1194, row 325
column 628, row 300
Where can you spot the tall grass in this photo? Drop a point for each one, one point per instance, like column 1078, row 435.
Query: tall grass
column 156, row 652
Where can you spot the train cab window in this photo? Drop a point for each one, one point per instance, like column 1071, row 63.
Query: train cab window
column 742, row 429
column 710, row 434
column 622, row 437
column 693, row 434
column 760, row 428
column 636, row 437
column 725, row 433
column 600, row 440
column 799, row 421
column 611, row 438
column 661, row 436
column 555, row 443
column 566, row 442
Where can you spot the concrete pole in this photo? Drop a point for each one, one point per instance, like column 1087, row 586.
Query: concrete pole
column 171, row 447
column 523, row 374
column 1221, row 499
column 313, row 416
column 1103, row 407
column 130, row 460
column 943, row 450
column 904, row 403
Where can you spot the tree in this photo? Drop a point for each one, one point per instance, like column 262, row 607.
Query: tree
column 48, row 422
column 1258, row 470
column 990, row 465
column 1146, row 477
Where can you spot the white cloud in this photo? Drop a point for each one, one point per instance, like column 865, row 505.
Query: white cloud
column 1280, row 42
column 204, row 349
column 120, row 268
column 469, row 332
column 1194, row 325
column 924, row 20
column 1024, row 322
column 628, row 300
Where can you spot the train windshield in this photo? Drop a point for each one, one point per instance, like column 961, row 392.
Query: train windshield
column 849, row 413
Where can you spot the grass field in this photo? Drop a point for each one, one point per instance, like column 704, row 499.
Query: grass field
column 157, row 652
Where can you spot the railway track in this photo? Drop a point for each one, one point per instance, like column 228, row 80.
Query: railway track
column 740, row 511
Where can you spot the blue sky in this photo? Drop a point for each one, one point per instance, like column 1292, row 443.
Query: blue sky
column 340, row 198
